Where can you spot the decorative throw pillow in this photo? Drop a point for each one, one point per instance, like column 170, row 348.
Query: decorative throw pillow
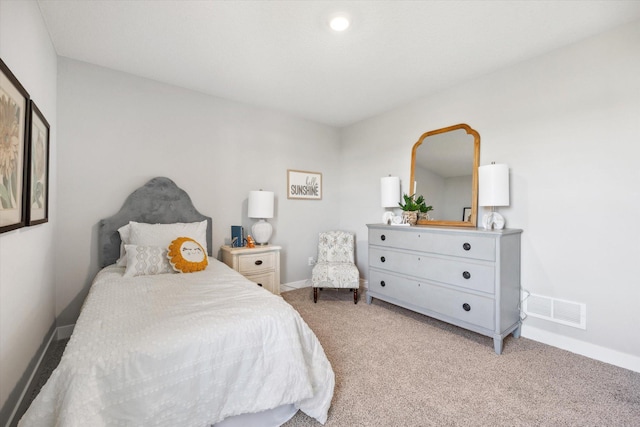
column 163, row 234
column 187, row 255
column 146, row 260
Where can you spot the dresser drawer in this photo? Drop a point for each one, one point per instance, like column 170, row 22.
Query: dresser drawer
column 479, row 276
column 253, row 263
column 460, row 245
column 473, row 309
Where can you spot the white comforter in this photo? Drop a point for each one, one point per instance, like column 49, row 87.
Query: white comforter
column 183, row 350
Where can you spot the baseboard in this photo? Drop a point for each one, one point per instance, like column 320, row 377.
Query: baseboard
column 592, row 351
column 290, row 286
column 24, row 384
column 64, row 332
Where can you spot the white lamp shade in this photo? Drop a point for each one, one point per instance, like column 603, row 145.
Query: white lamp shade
column 389, row 191
column 260, row 204
column 493, row 185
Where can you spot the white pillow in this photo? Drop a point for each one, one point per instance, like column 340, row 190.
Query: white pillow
column 163, row 234
column 146, row 260
column 125, row 239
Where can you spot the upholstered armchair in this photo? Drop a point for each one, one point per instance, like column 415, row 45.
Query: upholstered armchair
column 335, row 266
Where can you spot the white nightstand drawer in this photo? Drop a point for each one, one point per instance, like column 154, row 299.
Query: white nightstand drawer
column 254, row 263
column 266, row 280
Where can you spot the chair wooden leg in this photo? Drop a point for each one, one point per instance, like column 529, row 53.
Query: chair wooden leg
column 355, row 296
column 315, row 295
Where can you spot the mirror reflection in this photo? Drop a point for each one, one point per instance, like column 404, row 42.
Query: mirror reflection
column 444, row 170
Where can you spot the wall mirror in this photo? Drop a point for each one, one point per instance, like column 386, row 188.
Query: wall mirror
column 444, row 169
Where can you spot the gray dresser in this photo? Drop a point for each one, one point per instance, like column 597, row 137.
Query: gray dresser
column 468, row 277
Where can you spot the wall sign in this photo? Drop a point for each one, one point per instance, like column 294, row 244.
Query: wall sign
column 304, row 185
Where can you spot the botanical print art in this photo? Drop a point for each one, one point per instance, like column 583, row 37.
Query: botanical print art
column 12, row 125
column 38, row 167
column 38, row 179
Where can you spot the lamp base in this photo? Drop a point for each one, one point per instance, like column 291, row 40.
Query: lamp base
column 493, row 221
column 261, row 232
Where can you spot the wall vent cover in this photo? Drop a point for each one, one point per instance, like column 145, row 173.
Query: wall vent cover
column 556, row 310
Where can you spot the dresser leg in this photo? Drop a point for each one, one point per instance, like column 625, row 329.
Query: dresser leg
column 369, row 298
column 516, row 332
column 497, row 345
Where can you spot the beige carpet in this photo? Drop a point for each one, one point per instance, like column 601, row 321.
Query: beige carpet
column 397, row 368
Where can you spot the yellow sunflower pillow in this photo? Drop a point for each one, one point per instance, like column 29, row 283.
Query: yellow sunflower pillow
column 187, row 255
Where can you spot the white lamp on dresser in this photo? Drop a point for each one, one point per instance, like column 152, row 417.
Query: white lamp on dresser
column 261, row 207
column 389, row 196
column 493, row 190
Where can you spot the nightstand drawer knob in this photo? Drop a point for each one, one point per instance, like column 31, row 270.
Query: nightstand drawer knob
column 383, row 259
column 383, row 237
column 258, row 262
column 466, row 275
column 466, row 246
column 382, row 283
column 259, row 284
column 466, row 307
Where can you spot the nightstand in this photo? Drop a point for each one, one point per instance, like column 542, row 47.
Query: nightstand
column 260, row 264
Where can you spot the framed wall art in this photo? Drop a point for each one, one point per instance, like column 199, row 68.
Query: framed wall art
column 304, row 185
column 466, row 214
column 38, row 182
column 14, row 103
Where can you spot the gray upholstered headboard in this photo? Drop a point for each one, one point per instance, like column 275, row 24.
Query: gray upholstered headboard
column 159, row 201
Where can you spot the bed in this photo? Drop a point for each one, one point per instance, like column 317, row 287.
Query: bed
column 194, row 349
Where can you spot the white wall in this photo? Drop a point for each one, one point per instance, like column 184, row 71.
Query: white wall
column 26, row 254
column 568, row 126
column 117, row 131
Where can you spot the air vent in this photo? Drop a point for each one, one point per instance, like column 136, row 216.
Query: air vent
column 556, row 310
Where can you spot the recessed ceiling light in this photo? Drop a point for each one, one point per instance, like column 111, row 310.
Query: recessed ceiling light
column 339, row 23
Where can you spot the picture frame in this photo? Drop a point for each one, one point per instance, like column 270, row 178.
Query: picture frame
column 466, row 214
column 38, row 182
column 14, row 129
column 304, row 185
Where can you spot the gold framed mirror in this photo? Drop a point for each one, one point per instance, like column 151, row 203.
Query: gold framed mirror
column 444, row 169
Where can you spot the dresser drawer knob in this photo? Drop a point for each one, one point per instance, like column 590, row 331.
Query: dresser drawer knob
column 382, row 283
column 258, row 262
column 383, row 259
column 466, row 275
column 466, row 307
column 259, row 284
column 466, row 246
column 383, row 237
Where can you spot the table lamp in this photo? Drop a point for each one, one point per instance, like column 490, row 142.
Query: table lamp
column 389, row 195
column 261, row 207
column 493, row 183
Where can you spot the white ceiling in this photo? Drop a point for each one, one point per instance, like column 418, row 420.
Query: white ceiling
column 282, row 54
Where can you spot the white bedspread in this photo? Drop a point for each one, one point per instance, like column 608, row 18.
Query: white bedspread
column 183, row 350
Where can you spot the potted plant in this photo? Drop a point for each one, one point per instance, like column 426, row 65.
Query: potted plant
column 414, row 208
column 424, row 211
column 410, row 208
